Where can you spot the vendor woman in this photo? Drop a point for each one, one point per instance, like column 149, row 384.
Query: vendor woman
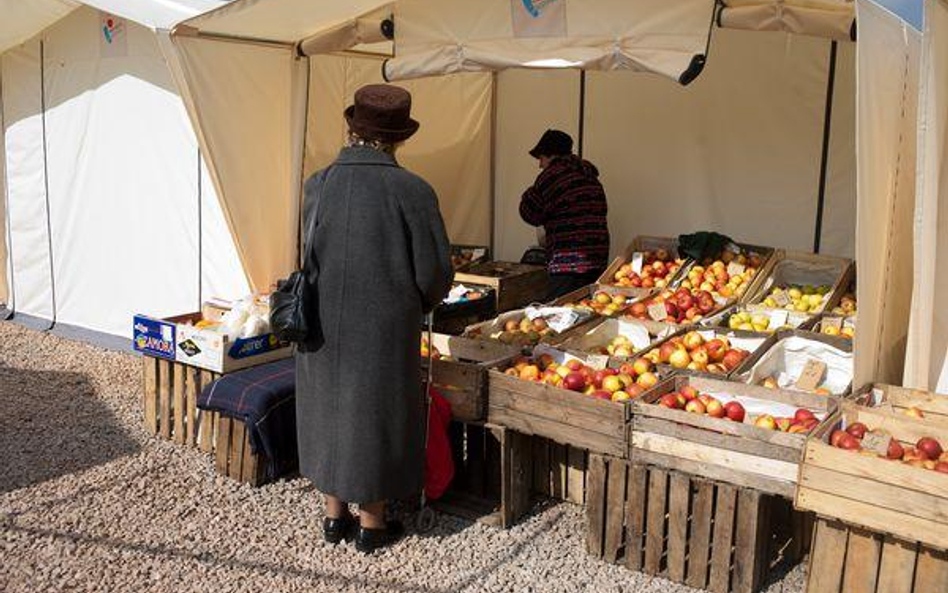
column 384, row 260
column 568, row 201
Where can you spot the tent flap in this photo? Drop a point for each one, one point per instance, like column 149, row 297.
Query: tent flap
column 461, row 36
column 832, row 19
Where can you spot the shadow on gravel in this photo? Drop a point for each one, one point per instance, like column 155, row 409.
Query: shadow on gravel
column 51, row 425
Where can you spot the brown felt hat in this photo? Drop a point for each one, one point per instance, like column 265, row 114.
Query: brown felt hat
column 381, row 112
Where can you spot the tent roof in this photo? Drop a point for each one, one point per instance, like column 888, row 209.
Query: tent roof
column 23, row 19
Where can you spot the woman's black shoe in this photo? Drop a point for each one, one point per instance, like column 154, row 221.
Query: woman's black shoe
column 336, row 530
column 369, row 540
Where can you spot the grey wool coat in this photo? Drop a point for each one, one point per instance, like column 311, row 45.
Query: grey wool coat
column 384, row 260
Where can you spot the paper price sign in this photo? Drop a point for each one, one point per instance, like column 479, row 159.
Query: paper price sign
column 735, row 269
column 637, row 260
column 877, row 443
column 781, row 299
column 812, row 375
column 836, row 322
column 778, row 319
column 597, row 361
column 657, row 311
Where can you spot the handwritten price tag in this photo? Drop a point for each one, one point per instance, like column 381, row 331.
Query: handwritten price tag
column 597, row 361
column 637, row 260
column 781, row 298
column 812, row 375
column 778, row 319
column 876, row 442
column 657, row 311
column 735, row 269
column 836, row 322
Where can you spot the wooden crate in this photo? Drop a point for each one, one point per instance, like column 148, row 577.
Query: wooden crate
column 576, row 296
column 691, row 530
column 462, row 379
column 795, row 320
column 837, row 271
column 640, row 244
column 476, row 253
column 484, row 330
column 838, row 342
column 717, row 448
column 170, row 393
column 563, row 416
column 596, row 337
column 934, row 406
column 767, row 255
column 877, row 494
column 763, row 342
column 516, row 285
column 847, row 559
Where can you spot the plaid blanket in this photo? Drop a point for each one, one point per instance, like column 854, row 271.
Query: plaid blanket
column 264, row 398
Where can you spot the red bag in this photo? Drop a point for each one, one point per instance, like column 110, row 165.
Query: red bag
column 439, row 464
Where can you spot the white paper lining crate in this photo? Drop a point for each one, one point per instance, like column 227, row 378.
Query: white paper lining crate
column 703, row 533
column 848, row 559
column 169, row 392
column 877, row 494
column 933, row 406
column 597, row 336
column 776, row 357
column 462, row 379
column 516, row 285
column 575, row 297
column 792, row 267
column 639, row 245
column 718, row 448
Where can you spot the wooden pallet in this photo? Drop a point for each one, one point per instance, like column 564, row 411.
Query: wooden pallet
column 848, row 559
column 560, row 415
column 717, row 448
column 515, row 284
column 702, row 533
column 170, row 392
column 874, row 493
column 462, row 379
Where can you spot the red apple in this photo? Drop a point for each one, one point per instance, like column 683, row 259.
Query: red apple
column 733, row 359
column 930, row 447
column 849, row 442
column 666, row 350
column 942, row 466
column 669, row 400
column 895, row 450
column 635, row 390
column 689, row 392
column 672, row 309
column 695, row 406
column 574, row 365
column 766, row 421
column 602, row 394
column 802, row 415
column 734, row 411
column 857, row 429
column 575, row 381
column 597, row 378
column 639, row 310
column 716, row 350
column 836, row 436
column 715, row 409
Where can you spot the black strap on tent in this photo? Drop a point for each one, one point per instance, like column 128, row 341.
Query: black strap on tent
column 698, row 61
column 582, row 112
column 49, row 224
column 827, row 123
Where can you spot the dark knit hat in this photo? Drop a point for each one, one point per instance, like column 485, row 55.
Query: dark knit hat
column 553, row 143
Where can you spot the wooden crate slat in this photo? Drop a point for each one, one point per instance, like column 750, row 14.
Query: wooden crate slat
column 678, row 499
column 655, row 525
column 576, row 475
column 699, row 548
column 596, row 505
column 541, row 465
column 750, row 522
column 827, row 557
column 615, row 509
column 516, row 473
column 635, row 512
column 554, row 403
column 250, row 467
column 614, row 446
column 235, row 454
column 725, row 506
column 897, row 565
column 770, row 475
column 716, row 440
column 178, row 406
column 191, row 391
column 150, row 393
column 477, row 456
column 165, row 380
column 931, row 571
column 493, row 455
column 222, row 443
column 862, row 562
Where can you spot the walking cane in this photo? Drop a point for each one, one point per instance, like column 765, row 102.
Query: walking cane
column 425, row 521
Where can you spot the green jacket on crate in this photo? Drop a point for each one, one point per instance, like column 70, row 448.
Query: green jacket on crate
column 384, row 260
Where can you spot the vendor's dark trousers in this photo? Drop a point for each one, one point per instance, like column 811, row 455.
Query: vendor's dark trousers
column 561, row 284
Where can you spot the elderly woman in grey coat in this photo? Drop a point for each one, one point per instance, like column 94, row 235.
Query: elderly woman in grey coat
column 383, row 257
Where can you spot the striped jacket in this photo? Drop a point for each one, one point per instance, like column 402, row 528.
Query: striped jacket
column 569, row 202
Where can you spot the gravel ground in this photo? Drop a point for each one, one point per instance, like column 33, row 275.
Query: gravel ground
column 89, row 503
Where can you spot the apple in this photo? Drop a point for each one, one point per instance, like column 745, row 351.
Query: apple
column 715, row 349
column 849, row 442
column 647, row 380
column 705, row 399
column 701, row 357
column 639, row 310
column 611, row 383
column 626, row 379
column 601, row 394
column 766, row 421
column 679, row 358
column 715, row 409
column 689, row 392
column 930, row 447
column 798, row 429
column 695, row 406
column 836, row 436
column 671, row 308
column 692, row 339
column 895, row 450
column 942, row 466
column 685, row 302
column 666, row 350
column 669, row 400
column 734, row 411
column 802, row 414
column 574, row 381
column 639, row 367
column 783, row 424
column 716, row 368
column 913, row 454
column 597, row 378
column 563, row 371
column 811, row 423
column 620, row 396
column 857, row 429
column 574, row 365
column 733, row 358
column 530, row 372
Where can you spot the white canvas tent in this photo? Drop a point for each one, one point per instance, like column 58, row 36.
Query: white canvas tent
column 106, row 205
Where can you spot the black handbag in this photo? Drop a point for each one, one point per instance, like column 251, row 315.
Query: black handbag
column 294, row 305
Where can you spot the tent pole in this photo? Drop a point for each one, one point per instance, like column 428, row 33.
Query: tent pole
column 200, row 237
column 582, row 112
column 6, row 312
column 493, row 162
column 49, row 224
column 827, row 123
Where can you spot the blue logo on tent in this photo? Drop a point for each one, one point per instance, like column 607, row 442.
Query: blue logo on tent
column 534, row 7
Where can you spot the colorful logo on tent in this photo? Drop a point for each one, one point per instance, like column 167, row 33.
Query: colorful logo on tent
column 535, row 7
column 109, row 29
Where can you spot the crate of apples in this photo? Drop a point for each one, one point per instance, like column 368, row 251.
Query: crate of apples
column 846, row 306
column 659, row 267
column 799, row 298
column 692, row 352
column 627, row 382
column 604, row 303
column 726, row 278
column 927, row 453
column 682, row 306
column 698, row 424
